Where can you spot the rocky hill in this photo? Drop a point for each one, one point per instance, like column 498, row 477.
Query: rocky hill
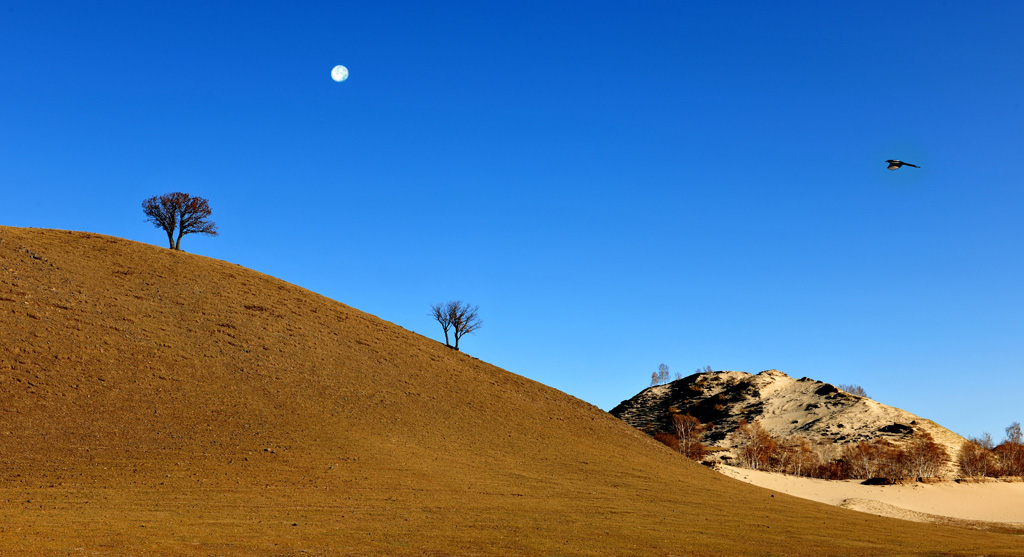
column 786, row 407
column 155, row 402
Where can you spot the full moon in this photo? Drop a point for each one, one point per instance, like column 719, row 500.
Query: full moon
column 339, row 73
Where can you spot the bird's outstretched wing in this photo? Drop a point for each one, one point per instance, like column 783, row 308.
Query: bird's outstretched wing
column 896, row 163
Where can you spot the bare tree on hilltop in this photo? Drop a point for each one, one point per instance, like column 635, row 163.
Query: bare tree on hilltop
column 440, row 313
column 457, row 317
column 661, row 376
column 854, row 390
column 179, row 211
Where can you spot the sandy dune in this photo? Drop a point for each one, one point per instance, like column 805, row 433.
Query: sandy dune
column 993, row 502
column 786, row 407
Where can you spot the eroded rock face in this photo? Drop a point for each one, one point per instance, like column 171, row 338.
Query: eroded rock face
column 786, row 407
column 901, row 429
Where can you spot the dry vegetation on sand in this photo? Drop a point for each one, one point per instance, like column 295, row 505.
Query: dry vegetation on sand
column 988, row 505
column 156, row 401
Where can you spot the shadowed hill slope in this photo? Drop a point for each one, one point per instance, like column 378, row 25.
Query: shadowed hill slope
column 155, row 401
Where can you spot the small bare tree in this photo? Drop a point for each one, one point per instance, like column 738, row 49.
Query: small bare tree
column 757, row 446
column 464, row 321
column 689, row 431
column 179, row 211
column 441, row 313
column 461, row 319
column 663, row 373
column 893, row 462
column 975, row 458
column 854, row 390
column 800, row 457
column 860, row 460
column 654, row 378
column 1011, row 451
column 924, row 456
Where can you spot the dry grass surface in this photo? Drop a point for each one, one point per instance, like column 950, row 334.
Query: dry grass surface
column 158, row 402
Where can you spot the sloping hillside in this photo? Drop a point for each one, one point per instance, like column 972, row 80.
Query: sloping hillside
column 786, row 407
column 161, row 402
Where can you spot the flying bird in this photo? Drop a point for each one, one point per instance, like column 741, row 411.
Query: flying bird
column 894, row 164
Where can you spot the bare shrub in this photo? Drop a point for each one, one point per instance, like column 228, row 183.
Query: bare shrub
column 1011, row 452
column 861, row 460
column 831, row 470
column 975, row 459
column 799, row 457
column 1014, row 434
column 893, row 461
column 757, row 447
column 924, row 456
column 667, row 439
column 985, row 441
column 827, row 450
column 854, row 390
column 920, row 457
column 688, row 432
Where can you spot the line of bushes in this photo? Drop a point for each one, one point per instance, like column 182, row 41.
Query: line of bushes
column 981, row 458
column 920, row 457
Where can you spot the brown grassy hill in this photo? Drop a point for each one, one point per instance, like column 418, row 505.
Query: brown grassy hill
column 161, row 402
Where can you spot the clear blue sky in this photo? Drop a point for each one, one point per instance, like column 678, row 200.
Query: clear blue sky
column 616, row 185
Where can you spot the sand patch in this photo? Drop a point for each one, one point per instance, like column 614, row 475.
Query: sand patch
column 963, row 504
